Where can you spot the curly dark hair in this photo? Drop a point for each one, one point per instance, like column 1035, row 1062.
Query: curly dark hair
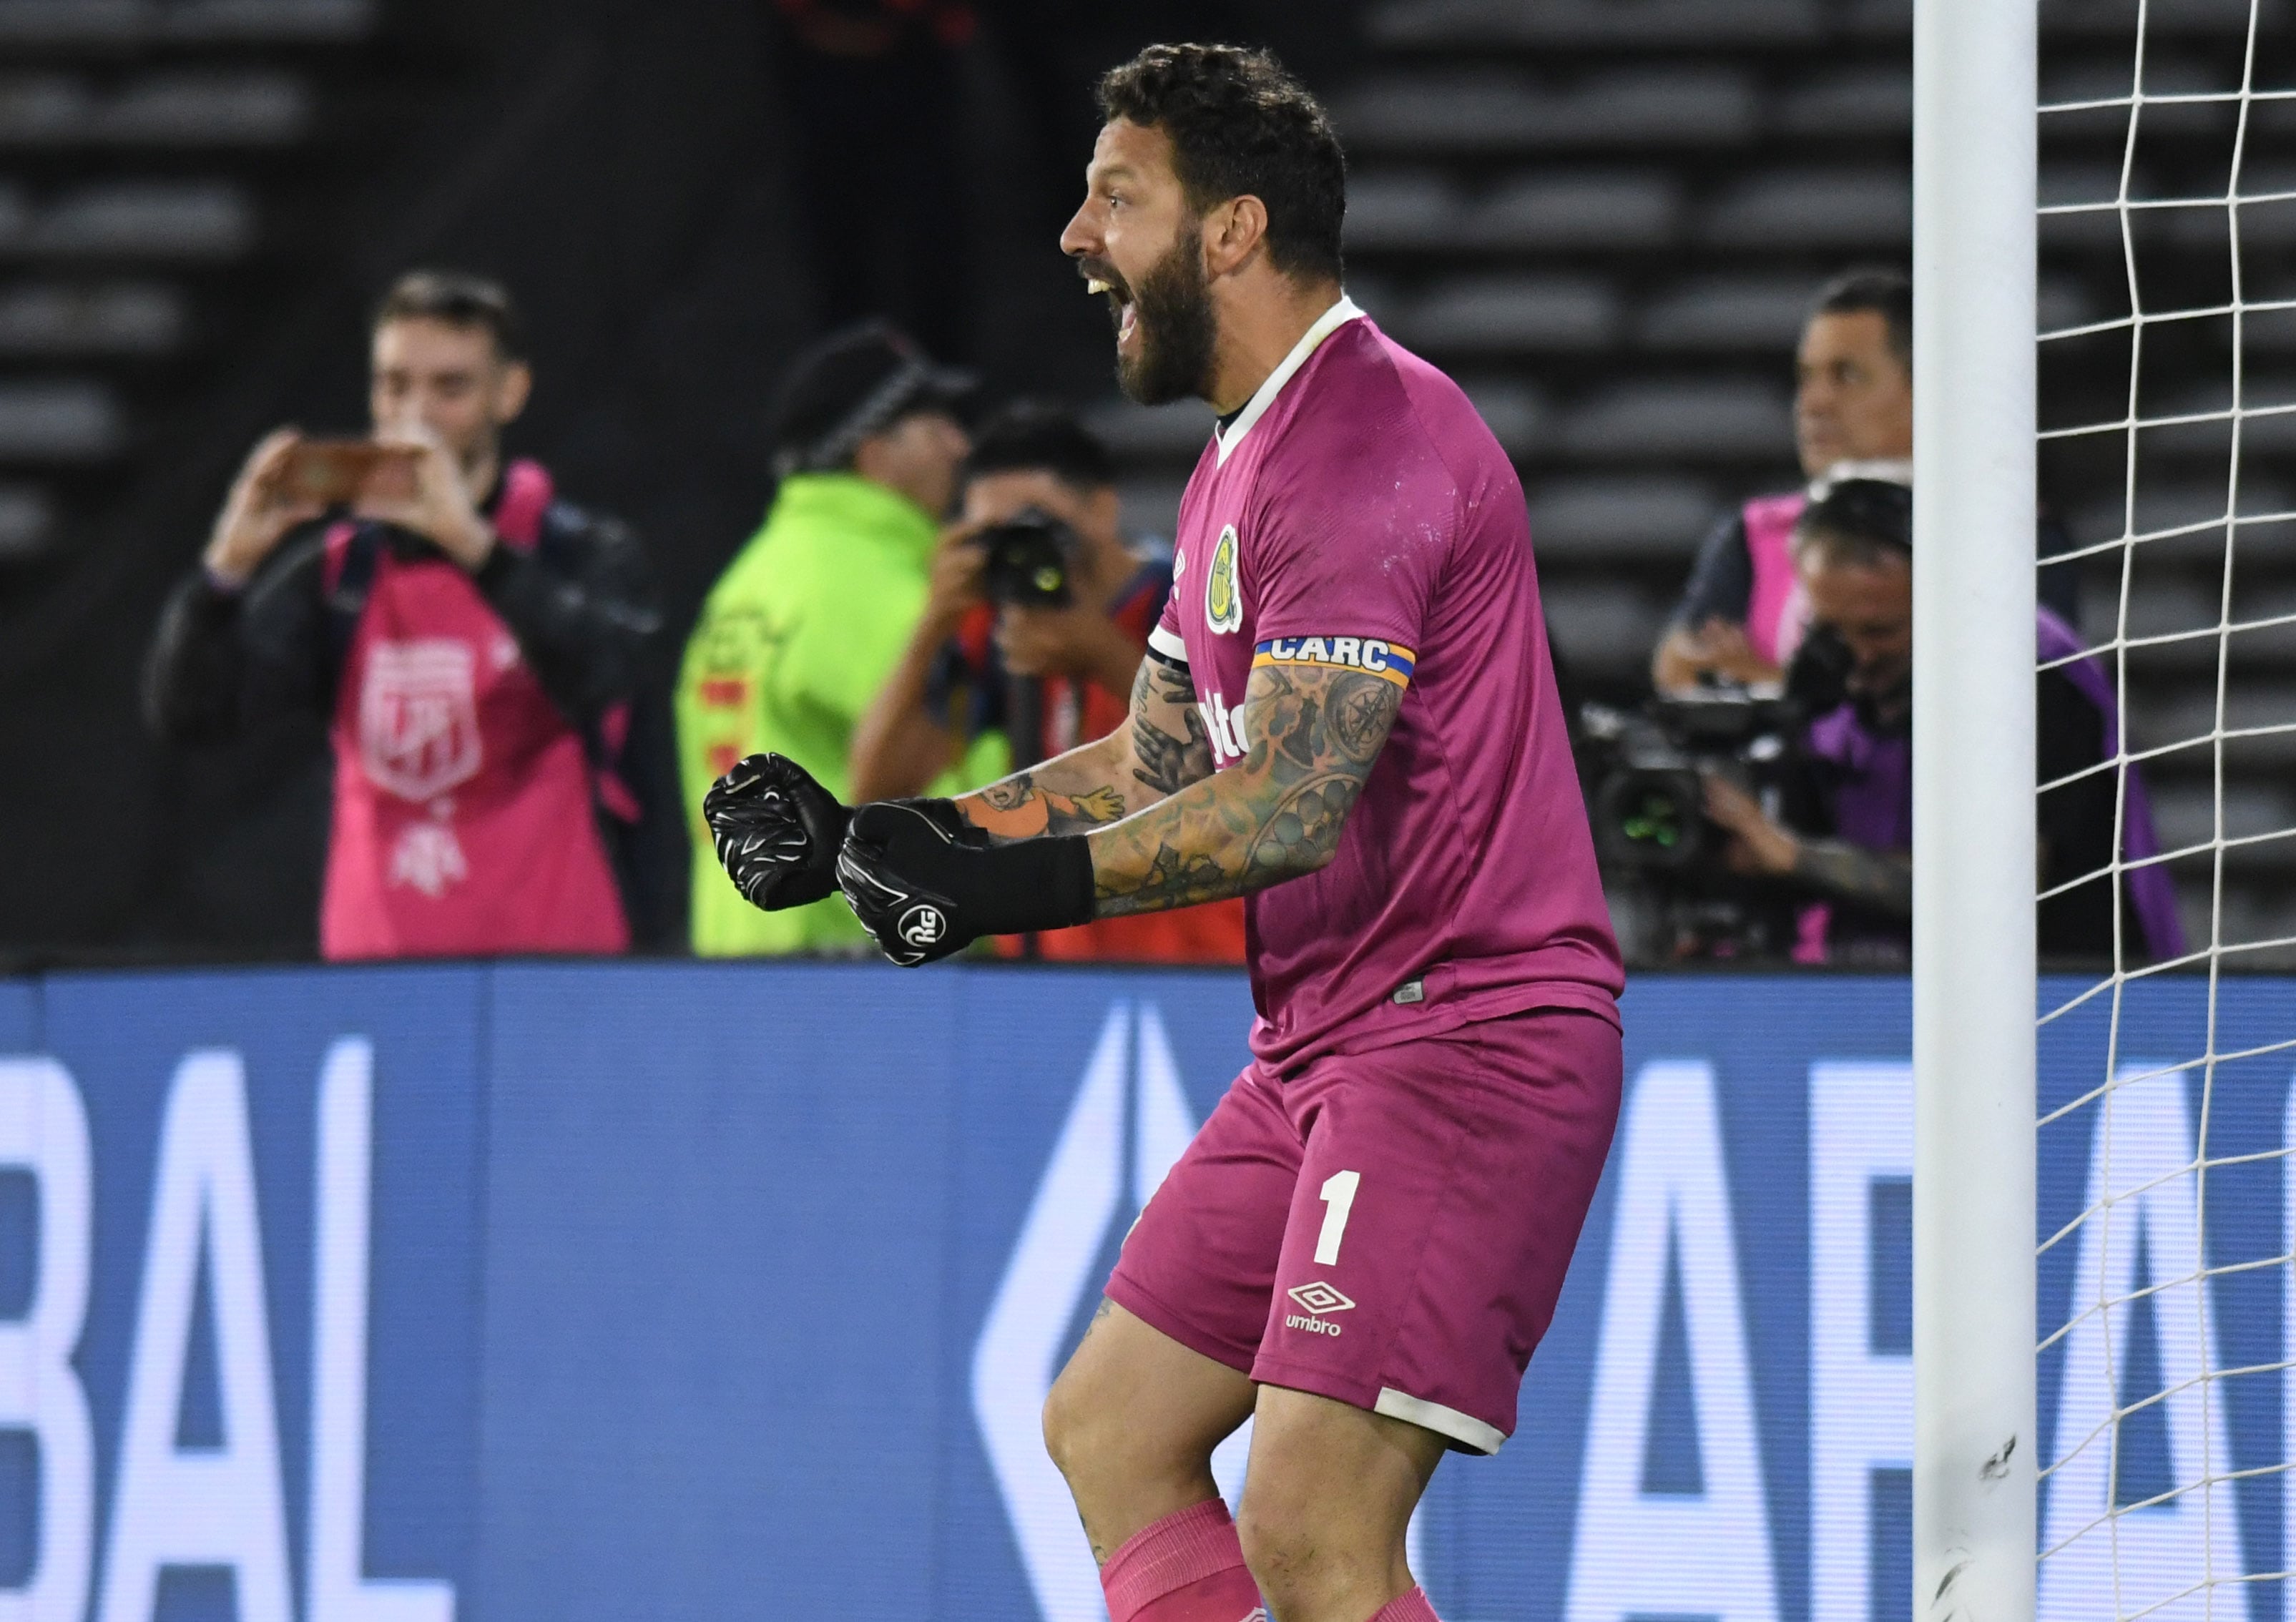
column 1241, row 125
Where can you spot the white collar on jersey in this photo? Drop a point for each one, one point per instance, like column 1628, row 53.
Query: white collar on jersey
column 1330, row 321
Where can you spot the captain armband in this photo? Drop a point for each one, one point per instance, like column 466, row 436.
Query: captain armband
column 1390, row 661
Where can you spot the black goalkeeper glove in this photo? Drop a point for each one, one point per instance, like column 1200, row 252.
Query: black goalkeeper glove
column 926, row 884
column 777, row 831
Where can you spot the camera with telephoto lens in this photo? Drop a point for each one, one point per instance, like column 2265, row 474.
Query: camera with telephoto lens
column 1646, row 799
column 1028, row 560
column 1648, row 802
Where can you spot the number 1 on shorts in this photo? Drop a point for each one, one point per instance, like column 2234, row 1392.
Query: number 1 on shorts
column 1339, row 1199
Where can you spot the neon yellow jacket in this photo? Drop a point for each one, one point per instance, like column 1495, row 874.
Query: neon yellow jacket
column 794, row 642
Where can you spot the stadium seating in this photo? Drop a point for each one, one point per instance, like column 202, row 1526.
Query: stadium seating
column 141, row 146
column 1607, row 216
column 1604, row 216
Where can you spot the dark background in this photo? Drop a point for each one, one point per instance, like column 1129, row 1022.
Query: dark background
column 625, row 168
column 1605, row 217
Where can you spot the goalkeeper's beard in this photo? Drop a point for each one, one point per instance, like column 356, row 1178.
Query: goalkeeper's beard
column 1179, row 328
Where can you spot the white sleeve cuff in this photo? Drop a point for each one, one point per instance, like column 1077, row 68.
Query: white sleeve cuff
column 1164, row 643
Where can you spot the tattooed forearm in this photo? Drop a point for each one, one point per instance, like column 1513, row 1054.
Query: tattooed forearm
column 1159, row 752
column 1171, row 878
column 1161, row 694
column 1314, row 736
column 1883, row 880
column 1020, row 807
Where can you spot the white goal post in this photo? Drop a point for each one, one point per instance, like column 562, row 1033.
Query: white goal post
column 1974, row 988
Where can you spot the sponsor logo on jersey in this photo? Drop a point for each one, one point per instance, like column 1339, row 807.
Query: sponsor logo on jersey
column 1223, row 597
column 1388, row 660
column 427, row 857
column 1226, row 728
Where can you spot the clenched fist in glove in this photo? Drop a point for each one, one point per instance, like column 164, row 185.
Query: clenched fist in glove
column 777, row 831
column 926, row 883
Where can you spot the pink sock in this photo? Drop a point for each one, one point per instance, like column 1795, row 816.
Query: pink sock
column 1411, row 1607
column 1186, row 1568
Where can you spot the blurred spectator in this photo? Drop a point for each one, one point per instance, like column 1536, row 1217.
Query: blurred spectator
column 472, row 641
column 871, row 95
column 1743, row 612
column 810, row 618
column 1853, row 550
column 993, row 680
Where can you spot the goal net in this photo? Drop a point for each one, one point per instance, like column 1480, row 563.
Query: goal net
column 2167, row 213
column 2155, row 1139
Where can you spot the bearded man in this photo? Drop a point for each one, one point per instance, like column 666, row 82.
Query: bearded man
column 472, row 640
column 1348, row 716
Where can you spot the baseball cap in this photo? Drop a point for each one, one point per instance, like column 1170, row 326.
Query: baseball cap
column 851, row 385
column 1879, row 510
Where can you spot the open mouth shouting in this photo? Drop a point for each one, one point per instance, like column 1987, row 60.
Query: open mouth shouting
column 1165, row 324
column 1123, row 309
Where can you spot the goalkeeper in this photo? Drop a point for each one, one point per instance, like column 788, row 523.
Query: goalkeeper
column 1348, row 714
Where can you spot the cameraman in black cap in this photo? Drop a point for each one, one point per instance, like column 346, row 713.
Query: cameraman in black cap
column 801, row 631
column 1032, row 633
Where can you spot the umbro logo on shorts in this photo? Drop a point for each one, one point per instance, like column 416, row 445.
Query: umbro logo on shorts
column 1318, row 1298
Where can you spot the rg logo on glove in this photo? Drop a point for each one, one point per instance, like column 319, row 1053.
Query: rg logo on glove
column 922, row 925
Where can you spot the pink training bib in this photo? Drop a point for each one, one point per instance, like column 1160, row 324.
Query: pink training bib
column 462, row 821
column 1777, row 612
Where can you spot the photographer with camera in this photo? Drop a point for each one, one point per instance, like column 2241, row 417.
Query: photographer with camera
column 1847, row 851
column 1033, row 632
column 473, row 642
column 1743, row 611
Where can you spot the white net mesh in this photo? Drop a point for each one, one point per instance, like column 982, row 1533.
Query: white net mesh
column 2168, row 379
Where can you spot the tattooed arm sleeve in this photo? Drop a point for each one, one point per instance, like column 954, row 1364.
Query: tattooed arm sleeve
column 1313, row 734
column 1159, row 751
column 1883, row 880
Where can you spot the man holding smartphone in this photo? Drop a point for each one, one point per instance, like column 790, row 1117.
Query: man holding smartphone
column 472, row 642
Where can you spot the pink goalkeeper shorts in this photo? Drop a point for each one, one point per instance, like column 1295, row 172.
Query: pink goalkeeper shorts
column 1388, row 1229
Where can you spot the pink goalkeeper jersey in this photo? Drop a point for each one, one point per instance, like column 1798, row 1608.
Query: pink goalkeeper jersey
column 1358, row 512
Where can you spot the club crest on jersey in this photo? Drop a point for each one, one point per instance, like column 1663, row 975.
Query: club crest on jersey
column 1388, row 660
column 1222, row 600
column 419, row 717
